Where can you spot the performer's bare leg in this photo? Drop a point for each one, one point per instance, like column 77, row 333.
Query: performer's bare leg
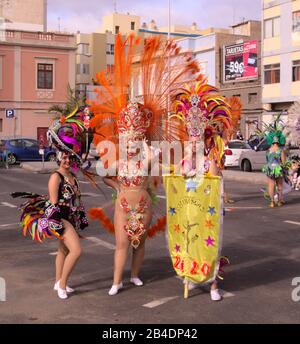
column 121, row 254
column 137, row 260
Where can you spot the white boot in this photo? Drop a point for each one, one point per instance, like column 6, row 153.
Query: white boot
column 115, row 289
column 68, row 289
column 136, row 281
column 62, row 293
column 215, row 295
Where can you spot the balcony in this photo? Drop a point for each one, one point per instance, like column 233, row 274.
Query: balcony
column 28, row 38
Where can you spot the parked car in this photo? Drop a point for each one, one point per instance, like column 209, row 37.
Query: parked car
column 233, row 151
column 23, row 149
column 255, row 159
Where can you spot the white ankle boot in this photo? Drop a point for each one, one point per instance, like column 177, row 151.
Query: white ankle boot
column 136, row 281
column 115, row 289
column 68, row 289
column 215, row 295
column 62, row 293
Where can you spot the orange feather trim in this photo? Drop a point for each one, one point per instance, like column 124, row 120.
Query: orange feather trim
column 99, row 214
column 159, row 226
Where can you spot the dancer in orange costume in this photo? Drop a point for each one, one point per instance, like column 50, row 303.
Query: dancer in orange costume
column 129, row 124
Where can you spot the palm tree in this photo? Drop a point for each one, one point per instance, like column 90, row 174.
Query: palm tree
column 72, row 101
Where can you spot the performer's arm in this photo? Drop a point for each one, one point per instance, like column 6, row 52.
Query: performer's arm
column 283, row 156
column 213, row 168
column 53, row 187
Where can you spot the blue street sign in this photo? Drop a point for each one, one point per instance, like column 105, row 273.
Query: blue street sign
column 9, row 113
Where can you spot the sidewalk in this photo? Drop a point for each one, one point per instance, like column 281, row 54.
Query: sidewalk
column 37, row 166
column 230, row 175
column 245, row 177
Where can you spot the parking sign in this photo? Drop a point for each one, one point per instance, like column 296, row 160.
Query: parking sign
column 9, row 113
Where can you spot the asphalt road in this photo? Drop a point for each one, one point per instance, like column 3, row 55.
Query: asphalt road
column 262, row 246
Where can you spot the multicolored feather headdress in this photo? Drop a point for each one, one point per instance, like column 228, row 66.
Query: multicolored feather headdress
column 202, row 109
column 274, row 132
column 67, row 133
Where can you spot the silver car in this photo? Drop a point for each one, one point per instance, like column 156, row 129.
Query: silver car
column 254, row 159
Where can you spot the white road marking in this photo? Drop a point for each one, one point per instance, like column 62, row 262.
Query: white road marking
column 162, row 197
column 84, row 182
column 293, row 223
column 95, row 241
column 225, row 294
column 91, row 194
column 6, row 204
column 101, row 242
column 159, row 302
column 240, row 208
column 9, row 225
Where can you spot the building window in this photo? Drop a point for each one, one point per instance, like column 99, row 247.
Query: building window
column 296, row 70
column 1, row 125
column 117, row 29
column 83, row 48
column 272, row 27
column 272, row 73
column 110, row 49
column 132, row 25
column 83, row 68
column 296, row 21
column 45, row 76
column 252, row 98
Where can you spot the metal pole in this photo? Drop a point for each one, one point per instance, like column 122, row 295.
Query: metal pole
column 43, row 160
column 87, row 142
column 169, row 36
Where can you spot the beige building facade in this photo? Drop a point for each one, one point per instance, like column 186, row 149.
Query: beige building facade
column 281, row 55
column 28, row 15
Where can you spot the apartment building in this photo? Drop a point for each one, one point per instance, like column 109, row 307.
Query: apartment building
column 281, row 55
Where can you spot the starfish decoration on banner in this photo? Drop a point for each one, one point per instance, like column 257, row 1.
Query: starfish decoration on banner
column 209, row 241
column 209, row 224
column 177, row 228
column 172, row 211
column 212, row 210
column 207, row 190
column 191, row 185
column 177, row 248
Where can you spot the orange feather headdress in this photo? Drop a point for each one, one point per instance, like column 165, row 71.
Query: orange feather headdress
column 157, row 69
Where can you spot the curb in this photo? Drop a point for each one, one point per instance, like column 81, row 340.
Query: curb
column 245, row 177
column 35, row 169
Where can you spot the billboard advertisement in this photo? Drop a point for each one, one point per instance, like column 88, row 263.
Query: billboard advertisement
column 241, row 61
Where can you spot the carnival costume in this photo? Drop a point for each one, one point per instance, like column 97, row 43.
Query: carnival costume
column 42, row 219
column 125, row 121
column 195, row 200
column 273, row 133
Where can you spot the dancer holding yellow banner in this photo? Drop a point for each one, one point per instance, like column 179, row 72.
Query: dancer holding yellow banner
column 195, row 189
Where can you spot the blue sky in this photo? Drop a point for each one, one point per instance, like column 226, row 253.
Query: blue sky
column 86, row 15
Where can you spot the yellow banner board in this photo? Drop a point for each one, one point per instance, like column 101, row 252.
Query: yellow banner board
column 195, row 219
